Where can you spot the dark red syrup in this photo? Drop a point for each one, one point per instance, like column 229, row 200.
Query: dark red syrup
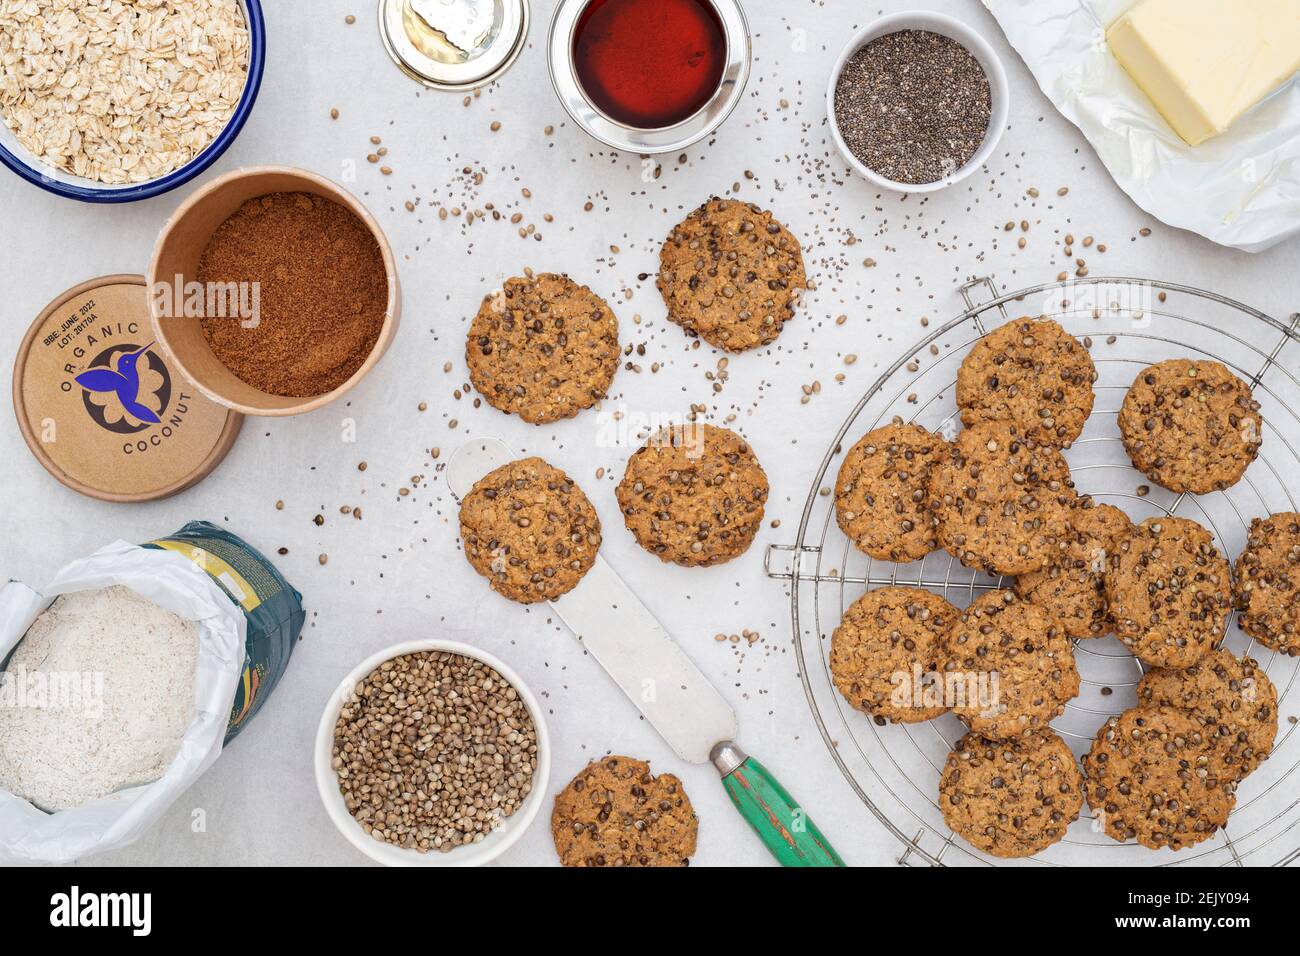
column 649, row 64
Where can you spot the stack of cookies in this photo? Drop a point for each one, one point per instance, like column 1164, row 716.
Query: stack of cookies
column 999, row 497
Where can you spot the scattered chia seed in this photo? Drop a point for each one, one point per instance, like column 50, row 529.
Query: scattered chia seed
column 913, row 106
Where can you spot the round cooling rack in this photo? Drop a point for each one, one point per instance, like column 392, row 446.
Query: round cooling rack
column 1127, row 324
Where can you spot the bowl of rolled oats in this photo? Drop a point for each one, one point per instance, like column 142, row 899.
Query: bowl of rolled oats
column 122, row 100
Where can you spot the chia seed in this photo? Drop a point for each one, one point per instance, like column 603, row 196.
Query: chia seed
column 913, row 106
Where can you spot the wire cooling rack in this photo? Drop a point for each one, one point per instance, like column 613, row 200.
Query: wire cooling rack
column 1128, row 324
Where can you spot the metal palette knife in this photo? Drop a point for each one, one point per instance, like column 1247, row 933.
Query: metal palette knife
column 657, row 676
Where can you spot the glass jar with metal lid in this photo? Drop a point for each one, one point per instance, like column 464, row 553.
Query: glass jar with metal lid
column 569, row 20
column 454, row 44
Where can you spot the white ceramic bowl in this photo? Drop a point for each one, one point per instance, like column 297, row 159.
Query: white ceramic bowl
column 474, row 854
column 967, row 37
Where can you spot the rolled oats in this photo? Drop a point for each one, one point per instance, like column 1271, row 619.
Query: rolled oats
column 120, row 91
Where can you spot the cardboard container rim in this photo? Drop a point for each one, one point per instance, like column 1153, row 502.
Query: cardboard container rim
column 334, row 191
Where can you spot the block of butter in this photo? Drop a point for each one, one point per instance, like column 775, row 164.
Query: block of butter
column 1206, row 62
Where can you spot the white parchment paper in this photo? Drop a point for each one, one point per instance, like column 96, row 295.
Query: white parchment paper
column 1240, row 189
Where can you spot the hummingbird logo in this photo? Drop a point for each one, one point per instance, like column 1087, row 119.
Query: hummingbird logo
column 125, row 382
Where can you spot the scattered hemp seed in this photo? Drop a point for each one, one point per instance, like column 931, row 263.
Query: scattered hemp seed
column 324, row 559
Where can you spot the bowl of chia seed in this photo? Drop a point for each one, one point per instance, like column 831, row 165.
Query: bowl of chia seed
column 917, row 101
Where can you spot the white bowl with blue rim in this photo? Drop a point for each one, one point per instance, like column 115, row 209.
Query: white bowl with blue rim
column 39, row 173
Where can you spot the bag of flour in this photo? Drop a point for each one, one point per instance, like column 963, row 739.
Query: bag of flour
column 245, row 619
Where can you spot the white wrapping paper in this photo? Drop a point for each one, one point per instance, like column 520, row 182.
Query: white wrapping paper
column 1240, row 189
column 29, row 835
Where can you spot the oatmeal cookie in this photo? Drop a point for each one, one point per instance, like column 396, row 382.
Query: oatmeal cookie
column 616, row 813
column 1190, row 426
column 1011, row 798
column 1002, row 500
column 1072, row 588
column 543, row 348
column 1031, row 372
column 1170, row 592
column 529, row 530
column 731, row 274
column 887, row 650
column 694, row 495
column 882, row 496
column 1149, row 777
column 1268, row 573
column 1233, row 700
column 1015, row 666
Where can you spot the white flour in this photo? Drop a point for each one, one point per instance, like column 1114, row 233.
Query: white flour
column 96, row 698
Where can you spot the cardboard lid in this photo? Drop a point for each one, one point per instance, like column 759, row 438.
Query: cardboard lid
column 101, row 407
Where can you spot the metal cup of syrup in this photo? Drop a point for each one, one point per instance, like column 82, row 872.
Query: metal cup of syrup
column 649, row 76
column 454, row 44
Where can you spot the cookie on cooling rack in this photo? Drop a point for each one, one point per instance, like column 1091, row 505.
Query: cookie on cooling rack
column 1150, row 777
column 543, row 348
column 1031, row 372
column 1013, row 665
column 1268, row 574
column 1011, row 798
column 1233, row 700
column 1170, row 592
column 882, row 496
column 1072, row 588
column 694, row 495
column 731, row 274
column 888, row 651
column 529, row 530
column 1002, row 499
column 616, row 813
column 1191, row 426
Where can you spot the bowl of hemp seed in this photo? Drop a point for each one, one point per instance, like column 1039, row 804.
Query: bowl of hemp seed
column 432, row 753
column 917, row 101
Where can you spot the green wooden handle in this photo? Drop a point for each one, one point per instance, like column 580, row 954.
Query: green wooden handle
column 778, row 820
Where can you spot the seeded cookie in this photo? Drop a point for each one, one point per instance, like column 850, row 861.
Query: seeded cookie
column 731, row 274
column 1072, row 588
column 882, row 496
column 694, row 495
column 1002, row 500
column 1190, row 426
column 529, row 530
column 1170, row 592
column 1268, row 573
column 887, row 651
column 1014, row 666
column 616, row 813
column 1031, row 372
column 1011, row 798
column 1149, row 777
column 1233, row 700
column 543, row 348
